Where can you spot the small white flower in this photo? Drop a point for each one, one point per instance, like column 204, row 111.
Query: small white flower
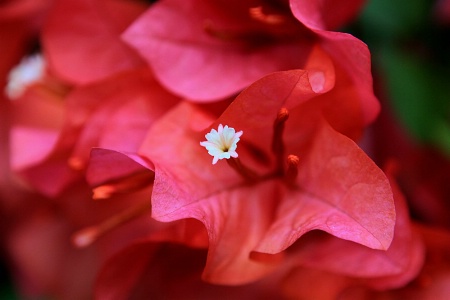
column 30, row 70
column 222, row 143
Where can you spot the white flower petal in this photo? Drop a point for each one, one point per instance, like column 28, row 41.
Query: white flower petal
column 30, row 70
column 222, row 143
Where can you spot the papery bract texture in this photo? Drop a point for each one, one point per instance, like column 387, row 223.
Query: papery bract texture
column 344, row 267
column 347, row 52
column 325, row 14
column 203, row 67
column 115, row 113
column 82, row 38
column 342, row 192
column 383, row 269
column 108, row 165
column 338, row 188
column 223, row 47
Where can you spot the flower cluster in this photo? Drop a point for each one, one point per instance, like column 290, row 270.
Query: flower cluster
column 112, row 111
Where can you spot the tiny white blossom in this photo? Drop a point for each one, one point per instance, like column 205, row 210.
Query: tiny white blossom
column 30, row 70
column 222, row 143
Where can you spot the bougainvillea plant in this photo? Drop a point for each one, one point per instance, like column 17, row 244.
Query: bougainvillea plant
column 207, row 149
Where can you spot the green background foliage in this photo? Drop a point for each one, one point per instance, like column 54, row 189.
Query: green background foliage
column 411, row 55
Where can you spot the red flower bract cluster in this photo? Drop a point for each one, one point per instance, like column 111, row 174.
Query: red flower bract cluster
column 115, row 198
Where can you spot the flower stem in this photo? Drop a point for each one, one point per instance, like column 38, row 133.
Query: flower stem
column 244, row 171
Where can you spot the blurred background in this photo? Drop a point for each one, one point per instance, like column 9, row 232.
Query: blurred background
column 410, row 44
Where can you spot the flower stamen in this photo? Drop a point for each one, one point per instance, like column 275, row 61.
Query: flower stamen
column 103, row 192
column 245, row 172
column 76, row 163
column 277, row 139
column 221, row 34
column 89, row 235
column 258, row 14
column 130, row 183
column 292, row 169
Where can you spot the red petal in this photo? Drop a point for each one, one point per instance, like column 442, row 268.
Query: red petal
column 108, row 165
column 186, row 191
column 353, row 64
column 325, row 14
column 42, row 255
column 384, row 269
column 335, row 178
column 167, row 271
column 38, row 121
column 341, row 191
column 194, row 64
column 235, row 220
column 116, row 113
column 82, row 39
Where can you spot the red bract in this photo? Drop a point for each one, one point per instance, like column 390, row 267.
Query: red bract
column 325, row 14
column 315, row 260
column 37, row 123
column 114, row 113
column 206, row 51
column 348, row 54
column 111, row 172
column 44, row 261
column 423, row 171
column 380, row 269
column 432, row 282
column 19, row 23
column 45, row 241
column 338, row 189
column 170, row 271
column 82, row 38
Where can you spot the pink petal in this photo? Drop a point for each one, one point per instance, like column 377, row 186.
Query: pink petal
column 349, row 54
column 192, row 63
column 107, row 165
column 341, row 191
column 230, row 239
column 115, row 113
column 169, row 271
column 332, row 168
column 391, row 268
column 47, row 263
column 176, row 195
column 38, row 121
column 305, row 283
column 353, row 63
column 82, row 39
column 325, row 14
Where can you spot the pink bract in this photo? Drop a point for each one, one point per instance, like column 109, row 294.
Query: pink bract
column 115, row 113
column 214, row 50
column 338, row 188
column 82, row 39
